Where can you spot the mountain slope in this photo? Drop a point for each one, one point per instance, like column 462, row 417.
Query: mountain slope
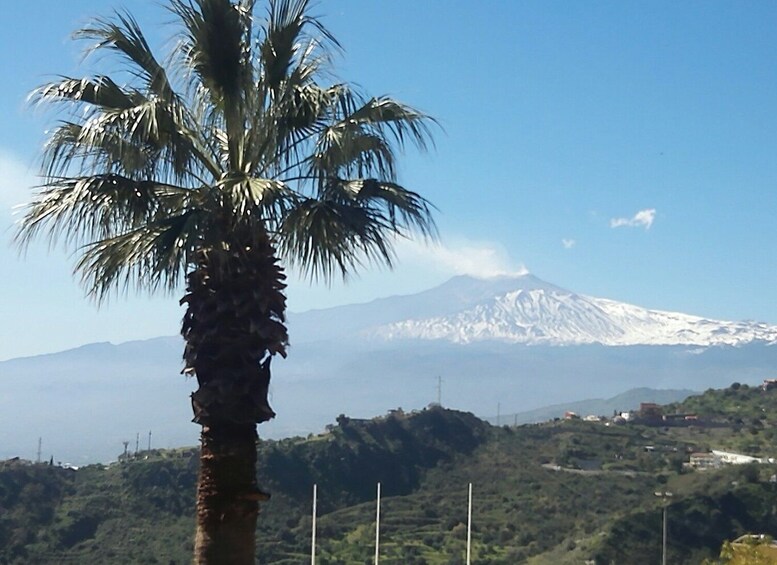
column 455, row 295
column 526, row 310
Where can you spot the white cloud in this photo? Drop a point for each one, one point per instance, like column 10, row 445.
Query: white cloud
column 15, row 183
column 480, row 259
column 643, row 218
column 418, row 267
column 568, row 243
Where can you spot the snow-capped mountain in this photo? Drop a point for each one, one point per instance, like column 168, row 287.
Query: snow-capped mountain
column 524, row 309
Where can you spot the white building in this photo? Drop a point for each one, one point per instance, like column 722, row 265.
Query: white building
column 728, row 458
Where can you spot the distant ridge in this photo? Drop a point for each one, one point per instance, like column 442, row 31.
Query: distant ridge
column 629, row 400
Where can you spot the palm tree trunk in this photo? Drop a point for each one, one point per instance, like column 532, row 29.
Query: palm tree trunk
column 233, row 326
column 227, row 497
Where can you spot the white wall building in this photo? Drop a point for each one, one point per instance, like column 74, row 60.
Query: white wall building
column 728, row 458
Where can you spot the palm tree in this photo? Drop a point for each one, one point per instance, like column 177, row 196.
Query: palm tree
column 214, row 170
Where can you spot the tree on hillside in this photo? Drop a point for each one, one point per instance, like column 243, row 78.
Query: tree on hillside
column 215, row 171
column 747, row 550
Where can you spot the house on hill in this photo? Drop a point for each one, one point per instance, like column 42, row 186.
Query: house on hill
column 704, row 460
column 716, row 459
column 650, row 411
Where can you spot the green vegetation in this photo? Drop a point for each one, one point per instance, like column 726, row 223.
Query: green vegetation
column 557, row 493
column 747, row 415
column 748, row 550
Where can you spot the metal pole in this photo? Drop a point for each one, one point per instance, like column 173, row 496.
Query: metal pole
column 663, row 553
column 313, row 538
column 377, row 529
column 469, row 525
column 664, row 496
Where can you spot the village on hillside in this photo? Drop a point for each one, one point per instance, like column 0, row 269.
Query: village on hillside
column 655, row 415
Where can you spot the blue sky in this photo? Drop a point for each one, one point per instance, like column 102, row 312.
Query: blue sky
column 626, row 150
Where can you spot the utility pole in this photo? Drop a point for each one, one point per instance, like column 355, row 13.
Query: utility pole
column 149, row 440
column 40, row 444
column 137, row 443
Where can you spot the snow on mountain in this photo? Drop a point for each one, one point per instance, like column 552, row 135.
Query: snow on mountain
column 526, row 310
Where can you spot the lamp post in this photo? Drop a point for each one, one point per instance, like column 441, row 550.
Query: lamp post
column 665, row 496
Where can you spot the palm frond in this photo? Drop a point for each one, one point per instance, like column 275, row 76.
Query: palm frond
column 323, row 238
column 96, row 149
column 126, row 38
column 153, row 256
column 357, row 223
column 113, row 112
column 291, row 126
column 386, row 116
column 214, row 46
column 353, row 152
column 286, row 41
column 79, row 210
column 101, row 92
column 217, row 49
column 402, row 209
column 256, row 198
column 288, row 103
column 362, row 137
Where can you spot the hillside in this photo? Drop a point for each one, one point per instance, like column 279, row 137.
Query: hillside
column 553, row 493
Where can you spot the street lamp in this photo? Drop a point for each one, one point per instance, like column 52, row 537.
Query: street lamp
column 665, row 496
